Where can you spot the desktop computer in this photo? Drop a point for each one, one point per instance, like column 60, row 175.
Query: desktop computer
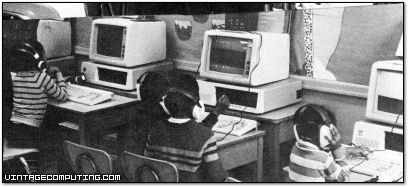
column 386, row 160
column 122, row 49
column 251, row 68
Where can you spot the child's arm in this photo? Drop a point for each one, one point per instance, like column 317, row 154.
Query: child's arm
column 212, row 164
column 333, row 171
column 57, row 88
column 212, row 118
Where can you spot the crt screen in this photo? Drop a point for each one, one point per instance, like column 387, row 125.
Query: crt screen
column 109, row 41
column 228, row 55
column 237, row 97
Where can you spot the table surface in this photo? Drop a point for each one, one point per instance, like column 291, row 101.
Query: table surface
column 232, row 139
column 116, row 101
column 274, row 116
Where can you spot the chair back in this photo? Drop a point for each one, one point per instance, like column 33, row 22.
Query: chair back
column 144, row 169
column 230, row 179
column 87, row 160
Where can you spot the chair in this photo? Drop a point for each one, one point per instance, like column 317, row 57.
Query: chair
column 87, row 160
column 143, row 169
column 10, row 153
column 230, row 179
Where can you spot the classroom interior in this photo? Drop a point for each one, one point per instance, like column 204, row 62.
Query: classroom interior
column 315, row 54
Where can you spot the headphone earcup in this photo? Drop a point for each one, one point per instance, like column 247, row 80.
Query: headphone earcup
column 323, row 133
column 138, row 92
column 198, row 112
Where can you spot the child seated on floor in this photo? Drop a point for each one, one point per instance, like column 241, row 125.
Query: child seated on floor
column 317, row 155
column 182, row 140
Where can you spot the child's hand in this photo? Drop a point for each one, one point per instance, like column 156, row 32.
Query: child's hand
column 360, row 151
column 334, row 140
column 222, row 103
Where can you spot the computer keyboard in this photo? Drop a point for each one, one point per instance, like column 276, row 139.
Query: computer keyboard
column 387, row 165
column 86, row 95
column 241, row 125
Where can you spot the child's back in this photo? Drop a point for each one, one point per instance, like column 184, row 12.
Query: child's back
column 190, row 146
column 31, row 90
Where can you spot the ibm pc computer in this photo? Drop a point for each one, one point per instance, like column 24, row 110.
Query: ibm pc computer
column 383, row 129
column 122, row 49
column 251, row 68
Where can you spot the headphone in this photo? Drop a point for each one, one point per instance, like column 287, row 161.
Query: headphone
column 327, row 121
column 139, row 83
column 198, row 112
column 30, row 50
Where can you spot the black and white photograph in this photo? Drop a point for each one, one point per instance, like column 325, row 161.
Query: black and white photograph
column 203, row 92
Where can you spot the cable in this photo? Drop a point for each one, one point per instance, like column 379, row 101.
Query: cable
column 249, row 89
column 396, row 121
column 396, row 180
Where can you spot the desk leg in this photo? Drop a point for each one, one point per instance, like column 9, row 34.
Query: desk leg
column 82, row 131
column 260, row 160
column 271, row 151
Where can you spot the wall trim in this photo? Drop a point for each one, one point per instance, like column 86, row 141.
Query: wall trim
column 335, row 87
column 79, row 50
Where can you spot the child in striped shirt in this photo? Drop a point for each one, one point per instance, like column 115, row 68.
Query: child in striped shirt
column 181, row 140
column 31, row 88
column 318, row 156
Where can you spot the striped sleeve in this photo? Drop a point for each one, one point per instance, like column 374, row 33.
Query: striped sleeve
column 334, row 171
column 210, row 151
column 212, row 163
column 55, row 89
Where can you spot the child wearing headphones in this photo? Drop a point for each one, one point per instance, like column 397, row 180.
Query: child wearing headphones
column 152, row 86
column 181, row 139
column 317, row 155
column 32, row 86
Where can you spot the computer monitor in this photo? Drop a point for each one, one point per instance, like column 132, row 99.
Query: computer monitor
column 246, row 58
column 127, row 42
column 385, row 102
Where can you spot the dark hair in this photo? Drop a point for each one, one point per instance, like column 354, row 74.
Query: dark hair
column 22, row 61
column 309, row 121
column 154, row 86
column 185, row 82
column 178, row 104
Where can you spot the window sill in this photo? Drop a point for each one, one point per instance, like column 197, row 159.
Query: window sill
column 334, row 87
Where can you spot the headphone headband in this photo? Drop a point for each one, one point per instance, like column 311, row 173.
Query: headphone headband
column 185, row 93
column 139, row 80
column 29, row 49
column 326, row 117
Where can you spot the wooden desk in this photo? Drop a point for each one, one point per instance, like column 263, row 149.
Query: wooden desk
column 235, row 151
column 94, row 118
column 278, row 127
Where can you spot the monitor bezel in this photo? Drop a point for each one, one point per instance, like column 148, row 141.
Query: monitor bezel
column 222, row 76
column 372, row 111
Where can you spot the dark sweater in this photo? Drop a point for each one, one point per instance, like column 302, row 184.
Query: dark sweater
column 144, row 118
column 190, row 146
